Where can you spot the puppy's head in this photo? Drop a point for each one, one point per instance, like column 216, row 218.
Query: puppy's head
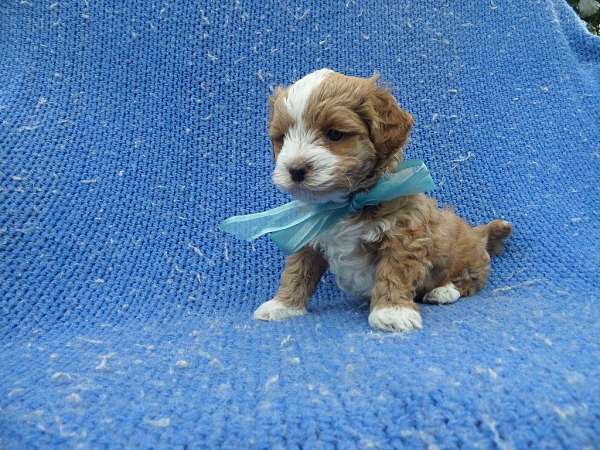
column 333, row 135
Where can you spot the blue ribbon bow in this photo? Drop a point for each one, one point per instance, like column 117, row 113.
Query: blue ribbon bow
column 295, row 224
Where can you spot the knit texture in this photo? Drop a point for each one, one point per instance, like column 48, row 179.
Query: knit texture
column 129, row 130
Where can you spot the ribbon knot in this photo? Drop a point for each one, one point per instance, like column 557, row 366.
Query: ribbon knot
column 354, row 205
column 293, row 225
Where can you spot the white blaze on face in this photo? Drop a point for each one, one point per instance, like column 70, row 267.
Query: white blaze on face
column 299, row 92
column 299, row 145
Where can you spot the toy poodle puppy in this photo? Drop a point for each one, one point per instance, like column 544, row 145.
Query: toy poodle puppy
column 335, row 135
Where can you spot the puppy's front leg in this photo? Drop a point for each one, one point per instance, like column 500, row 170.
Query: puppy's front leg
column 398, row 273
column 299, row 279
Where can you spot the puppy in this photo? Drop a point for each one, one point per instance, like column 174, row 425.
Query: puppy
column 334, row 135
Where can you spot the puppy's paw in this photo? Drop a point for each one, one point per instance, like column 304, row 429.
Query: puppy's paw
column 276, row 310
column 395, row 319
column 442, row 295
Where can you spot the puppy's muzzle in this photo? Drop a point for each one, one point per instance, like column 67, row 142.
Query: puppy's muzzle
column 297, row 174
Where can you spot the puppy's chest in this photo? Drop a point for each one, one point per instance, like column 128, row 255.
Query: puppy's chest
column 348, row 248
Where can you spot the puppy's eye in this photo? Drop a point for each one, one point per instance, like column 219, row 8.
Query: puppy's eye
column 334, row 135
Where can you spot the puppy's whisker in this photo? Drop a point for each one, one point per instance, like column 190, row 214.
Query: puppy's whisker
column 349, row 181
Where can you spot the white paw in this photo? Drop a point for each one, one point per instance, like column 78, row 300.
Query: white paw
column 442, row 295
column 395, row 319
column 276, row 310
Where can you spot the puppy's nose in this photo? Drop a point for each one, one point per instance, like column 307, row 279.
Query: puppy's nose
column 297, row 174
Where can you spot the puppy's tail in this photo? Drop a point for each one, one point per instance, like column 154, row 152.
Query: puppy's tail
column 495, row 232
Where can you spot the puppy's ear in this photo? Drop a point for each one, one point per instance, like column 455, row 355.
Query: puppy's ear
column 276, row 121
column 389, row 124
column 274, row 96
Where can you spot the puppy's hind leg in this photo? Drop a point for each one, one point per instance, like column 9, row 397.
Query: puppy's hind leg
column 474, row 252
column 442, row 295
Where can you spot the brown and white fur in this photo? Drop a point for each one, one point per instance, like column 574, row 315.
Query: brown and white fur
column 334, row 135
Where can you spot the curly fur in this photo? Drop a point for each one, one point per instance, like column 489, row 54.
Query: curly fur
column 398, row 252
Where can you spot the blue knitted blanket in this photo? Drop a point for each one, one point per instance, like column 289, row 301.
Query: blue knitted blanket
column 128, row 130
